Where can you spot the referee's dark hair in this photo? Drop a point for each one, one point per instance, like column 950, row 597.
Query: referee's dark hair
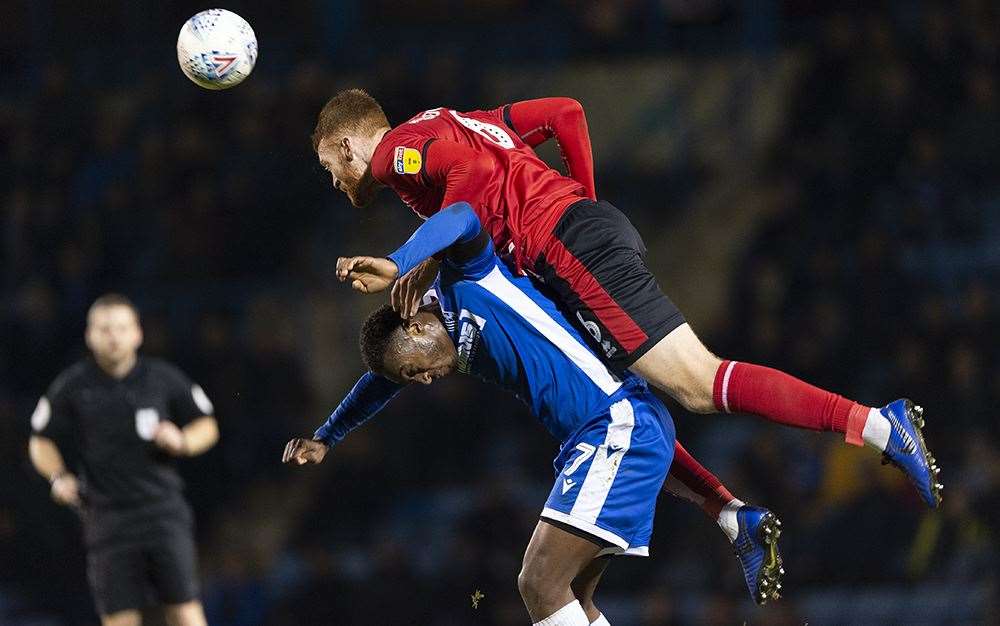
column 376, row 336
column 113, row 299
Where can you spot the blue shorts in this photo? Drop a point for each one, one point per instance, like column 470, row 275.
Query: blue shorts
column 610, row 473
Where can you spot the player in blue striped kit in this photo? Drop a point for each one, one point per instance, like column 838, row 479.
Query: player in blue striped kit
column 617, row 437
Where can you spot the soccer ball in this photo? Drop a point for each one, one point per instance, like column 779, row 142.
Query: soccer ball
column 216, row 49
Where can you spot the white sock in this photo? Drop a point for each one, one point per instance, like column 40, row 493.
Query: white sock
column 727, row 519
column 876, row 431
column 570, row 615
column 600, row 621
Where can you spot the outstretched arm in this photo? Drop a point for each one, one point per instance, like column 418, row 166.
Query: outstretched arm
column 454, row 224
column 368, row 396
column 536, row 121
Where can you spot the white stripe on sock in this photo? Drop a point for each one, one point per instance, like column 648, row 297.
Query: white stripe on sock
column 725, row 386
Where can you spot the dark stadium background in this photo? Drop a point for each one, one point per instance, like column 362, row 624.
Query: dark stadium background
column 818, row 189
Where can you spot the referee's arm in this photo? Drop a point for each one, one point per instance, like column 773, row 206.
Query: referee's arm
column 48, row 462
column 197, row 437
column 191, row 407
column 52, row 420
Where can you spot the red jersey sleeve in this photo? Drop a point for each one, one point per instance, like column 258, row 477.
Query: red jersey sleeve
column 563, row 118
column 397, row 161
column 462, row 171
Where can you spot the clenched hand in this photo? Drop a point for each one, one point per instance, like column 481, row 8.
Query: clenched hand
column 367, row 274
column 300, row 451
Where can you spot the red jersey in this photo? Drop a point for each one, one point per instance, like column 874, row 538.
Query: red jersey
column 441, row 156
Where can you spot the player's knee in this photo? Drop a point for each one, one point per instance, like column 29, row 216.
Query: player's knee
column 697, row 398
column 535, row 584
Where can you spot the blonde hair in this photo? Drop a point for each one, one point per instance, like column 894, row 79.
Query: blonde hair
column 351, row 110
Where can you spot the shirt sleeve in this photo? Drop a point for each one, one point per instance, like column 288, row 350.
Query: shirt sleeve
column 187, row 400
column 536, row 121
column 54, row 416
column 398, row 159
column 457, row 223
column 462, row 171
column 368, row 396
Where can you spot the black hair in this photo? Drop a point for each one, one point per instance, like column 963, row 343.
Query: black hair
column 376, row 333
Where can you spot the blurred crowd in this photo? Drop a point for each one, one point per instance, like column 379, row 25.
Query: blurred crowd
column 875, row 273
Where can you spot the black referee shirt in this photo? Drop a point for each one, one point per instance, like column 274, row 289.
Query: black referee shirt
column 130, row 488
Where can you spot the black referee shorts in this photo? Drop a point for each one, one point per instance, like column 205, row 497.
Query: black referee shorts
column 136, row 575
column 594, row 263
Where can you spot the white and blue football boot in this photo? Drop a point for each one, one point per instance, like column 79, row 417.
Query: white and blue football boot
column 756, row 546
column 907, row 451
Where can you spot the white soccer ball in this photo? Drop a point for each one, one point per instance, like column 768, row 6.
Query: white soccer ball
column 216, row 49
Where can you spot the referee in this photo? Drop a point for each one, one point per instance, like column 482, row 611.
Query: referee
column 128, row 417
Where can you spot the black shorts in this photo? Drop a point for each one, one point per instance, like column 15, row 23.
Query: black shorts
column 594, row 265
column 135, row 575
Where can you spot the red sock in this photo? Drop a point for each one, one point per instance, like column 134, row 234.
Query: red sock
column 688, row 479
column 776, row 396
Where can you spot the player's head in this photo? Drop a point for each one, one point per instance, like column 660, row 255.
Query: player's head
column 113, row 331
column 348, row 129
column 411, row 351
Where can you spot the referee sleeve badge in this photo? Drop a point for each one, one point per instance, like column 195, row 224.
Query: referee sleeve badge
column 201, row 399
column 43, row 413
column 146, row 421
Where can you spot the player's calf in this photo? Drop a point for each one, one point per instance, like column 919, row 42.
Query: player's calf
column 553, row 559
column 585, row 584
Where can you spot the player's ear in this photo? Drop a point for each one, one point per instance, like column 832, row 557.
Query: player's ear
column 346, row 151
column 410, row 374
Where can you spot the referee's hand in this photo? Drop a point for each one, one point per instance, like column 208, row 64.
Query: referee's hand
column 302, row 451
column 66, row 490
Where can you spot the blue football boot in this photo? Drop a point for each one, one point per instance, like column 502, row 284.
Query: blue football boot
column 907, row 451
column 756, row 546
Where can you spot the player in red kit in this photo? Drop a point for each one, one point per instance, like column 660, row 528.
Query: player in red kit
column 586, row 251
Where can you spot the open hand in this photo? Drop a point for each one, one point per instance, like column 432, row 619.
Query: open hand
column 367, row 274
column 300, row 451
column 409, row 290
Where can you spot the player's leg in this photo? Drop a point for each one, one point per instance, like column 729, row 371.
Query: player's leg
column 185, row 614
column 594, row 264
column 584, row 586
column 554, row 558
column 610, row 474
column 128, row 617
column 683, row 367
column 752, row 530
